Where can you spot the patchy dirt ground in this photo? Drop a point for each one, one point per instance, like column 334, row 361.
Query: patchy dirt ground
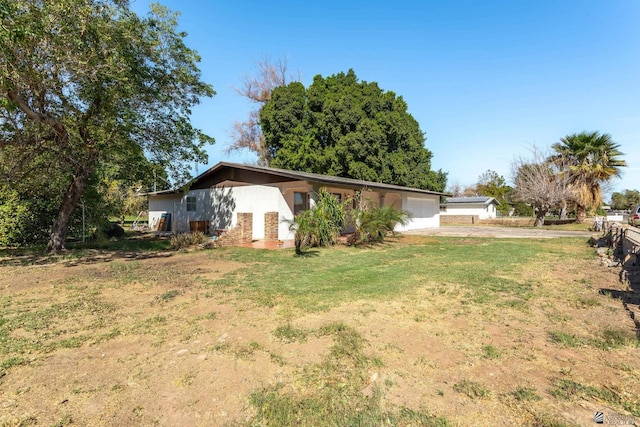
column 145, row 341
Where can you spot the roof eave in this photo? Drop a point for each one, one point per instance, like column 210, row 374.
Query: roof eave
column 306, row 176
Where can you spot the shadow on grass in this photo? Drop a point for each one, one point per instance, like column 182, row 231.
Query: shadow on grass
column 630, row 297
column 131, row 248
column 308, row 253
column 108, row 256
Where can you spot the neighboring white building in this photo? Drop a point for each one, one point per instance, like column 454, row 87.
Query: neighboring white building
column 483, row 207
column 217, row 195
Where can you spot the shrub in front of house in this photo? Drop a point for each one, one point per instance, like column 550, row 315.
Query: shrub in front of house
column 373, row 224
column 185, row 240
column 320, row 225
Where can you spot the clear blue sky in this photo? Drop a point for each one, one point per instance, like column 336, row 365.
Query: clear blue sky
column 486, row 80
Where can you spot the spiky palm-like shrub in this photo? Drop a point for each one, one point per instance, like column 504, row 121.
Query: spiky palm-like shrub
column 320, row 225
column 374, row 223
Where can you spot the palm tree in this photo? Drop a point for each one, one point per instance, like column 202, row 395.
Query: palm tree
column 592, row 158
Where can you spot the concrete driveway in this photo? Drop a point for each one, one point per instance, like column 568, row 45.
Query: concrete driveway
column 499, row 232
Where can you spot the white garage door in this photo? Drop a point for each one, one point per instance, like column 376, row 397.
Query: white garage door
column 420, row 208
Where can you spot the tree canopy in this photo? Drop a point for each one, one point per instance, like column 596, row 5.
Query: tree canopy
column 589, row 159
column 626, row 200
column 88, row 85
column 341, row 126
column 493, row 185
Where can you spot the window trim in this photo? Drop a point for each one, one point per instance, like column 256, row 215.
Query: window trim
column 299, row 207
column 191, row 203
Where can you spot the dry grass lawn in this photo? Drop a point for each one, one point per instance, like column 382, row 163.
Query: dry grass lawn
column 447, row 331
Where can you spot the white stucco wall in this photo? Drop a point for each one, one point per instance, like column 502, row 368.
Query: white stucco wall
column 176, row 205
column 482, row 211
column 220, row 206
column 159, row 205
column 260, row 199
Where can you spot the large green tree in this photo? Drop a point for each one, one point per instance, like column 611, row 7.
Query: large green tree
column 345, row 127
column 626, row 200
column 590, row 159
column 493, row 185
column 88, row 82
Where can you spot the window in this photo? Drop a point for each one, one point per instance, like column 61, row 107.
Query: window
column 338, row 197
column 300, row 202
column 191, row 203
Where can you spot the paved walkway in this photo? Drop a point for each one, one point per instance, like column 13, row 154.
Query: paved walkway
column 499, row 232
column 263, row 244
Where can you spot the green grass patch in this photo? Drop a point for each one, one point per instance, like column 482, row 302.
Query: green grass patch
column 611, row 337
column 331, row 392
column 154, row 325
column 567, row 389
column 281, row 409
column 289, row 333
column 165, row 297
column 586, row 302
column 525, row 394
column 565, row 339
column 28, row 327
column 545, row 419
column 607, row 339
column 489, row 270
column 11, row 362
column 472, row 389
column 490, row 352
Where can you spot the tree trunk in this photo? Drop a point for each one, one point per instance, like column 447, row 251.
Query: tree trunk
column 581, row 214
column 563, row 210
column 58, row 236
column 298, row 242
column 540, row 214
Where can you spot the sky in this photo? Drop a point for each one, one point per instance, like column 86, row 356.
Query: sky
column 486, row 80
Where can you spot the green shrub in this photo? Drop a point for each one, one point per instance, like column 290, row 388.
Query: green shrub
column 184, row 240
column 320, row 225
column 522, row 209
column 374, row 223
column 24, row 221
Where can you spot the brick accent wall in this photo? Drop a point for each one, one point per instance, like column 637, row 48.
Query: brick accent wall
column 241, row 233
column 271, row 226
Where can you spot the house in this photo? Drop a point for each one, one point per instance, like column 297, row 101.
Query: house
column 481, row 207
column 218, row 197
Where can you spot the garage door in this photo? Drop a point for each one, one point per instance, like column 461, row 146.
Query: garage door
column 420, row 208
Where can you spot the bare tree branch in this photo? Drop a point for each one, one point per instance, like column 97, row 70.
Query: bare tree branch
column 539, row 181
column 247, row 134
